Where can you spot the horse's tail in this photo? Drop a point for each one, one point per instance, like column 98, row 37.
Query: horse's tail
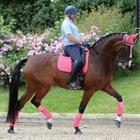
column 13, row 89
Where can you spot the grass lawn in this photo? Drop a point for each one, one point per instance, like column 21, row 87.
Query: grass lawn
column 60, row 100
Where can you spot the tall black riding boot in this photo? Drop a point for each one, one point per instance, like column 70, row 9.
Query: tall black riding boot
column 75, row 70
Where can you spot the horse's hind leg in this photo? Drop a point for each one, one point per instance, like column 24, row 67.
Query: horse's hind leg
column 111, row 91
column 40, row 94
column 20, row 104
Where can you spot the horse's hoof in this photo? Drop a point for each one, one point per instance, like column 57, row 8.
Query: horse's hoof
column 11, row 130
column 78, row 131
column 118, row 123
column 49, row 125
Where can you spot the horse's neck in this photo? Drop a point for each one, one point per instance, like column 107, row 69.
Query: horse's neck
column 111, row 45
column 106, row 51
column 102, row 60
column 106, row 62
column 101, row 65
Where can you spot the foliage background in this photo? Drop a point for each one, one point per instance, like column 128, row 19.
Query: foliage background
column 30, row 16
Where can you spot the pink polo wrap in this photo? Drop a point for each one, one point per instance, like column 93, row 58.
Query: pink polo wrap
column 120, row 108
column 45, row 112
column 77, row 119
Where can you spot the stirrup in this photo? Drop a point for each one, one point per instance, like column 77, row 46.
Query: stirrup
column 74, row 86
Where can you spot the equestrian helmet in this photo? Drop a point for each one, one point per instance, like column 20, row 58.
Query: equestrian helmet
column 71, row 10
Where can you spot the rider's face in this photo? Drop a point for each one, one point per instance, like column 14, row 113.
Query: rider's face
column 73, row 16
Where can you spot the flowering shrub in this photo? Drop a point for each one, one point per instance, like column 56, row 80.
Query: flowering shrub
column 16, row 47
column 36, row 44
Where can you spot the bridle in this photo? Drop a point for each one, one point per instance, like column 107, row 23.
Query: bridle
column 122, row 59
column 115, row 57
column 127, row 41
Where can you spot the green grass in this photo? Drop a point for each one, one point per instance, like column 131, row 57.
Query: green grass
column 60, row 100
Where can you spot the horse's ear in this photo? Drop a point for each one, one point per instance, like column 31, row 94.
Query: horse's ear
column 135, row 35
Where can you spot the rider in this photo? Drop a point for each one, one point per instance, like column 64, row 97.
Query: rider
column 72, row 43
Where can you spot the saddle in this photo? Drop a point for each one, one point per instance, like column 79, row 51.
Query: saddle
column 65, row 64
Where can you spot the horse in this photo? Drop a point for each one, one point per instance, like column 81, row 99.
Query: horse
column 41, row 73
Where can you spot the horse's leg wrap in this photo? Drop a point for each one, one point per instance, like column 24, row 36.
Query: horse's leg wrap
column 77, row 120
column 119, row 114
column 120, row 108
column 45, row 112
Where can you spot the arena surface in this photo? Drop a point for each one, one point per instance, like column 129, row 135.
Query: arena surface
column 94, row 127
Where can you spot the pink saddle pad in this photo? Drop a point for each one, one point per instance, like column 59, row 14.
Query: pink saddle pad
column 65, row 63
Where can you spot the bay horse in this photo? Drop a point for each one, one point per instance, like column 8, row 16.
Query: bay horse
column 40, row 73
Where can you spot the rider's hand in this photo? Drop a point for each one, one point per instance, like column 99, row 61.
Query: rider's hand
column 84, row 44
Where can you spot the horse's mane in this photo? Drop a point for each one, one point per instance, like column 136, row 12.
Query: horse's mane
column 102, row 38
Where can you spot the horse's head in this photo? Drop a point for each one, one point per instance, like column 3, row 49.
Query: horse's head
column 116, row 45
column 125, row 52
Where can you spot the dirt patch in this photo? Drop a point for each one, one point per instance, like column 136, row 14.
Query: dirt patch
column 94, row 127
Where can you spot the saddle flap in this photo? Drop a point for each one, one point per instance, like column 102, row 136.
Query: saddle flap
column 64, row 63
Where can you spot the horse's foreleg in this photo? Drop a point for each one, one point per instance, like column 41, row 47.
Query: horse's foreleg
column 111, row 91
column 37, row 102
column 86, row 97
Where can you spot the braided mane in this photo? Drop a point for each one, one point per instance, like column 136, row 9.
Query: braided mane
column 103, row 38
